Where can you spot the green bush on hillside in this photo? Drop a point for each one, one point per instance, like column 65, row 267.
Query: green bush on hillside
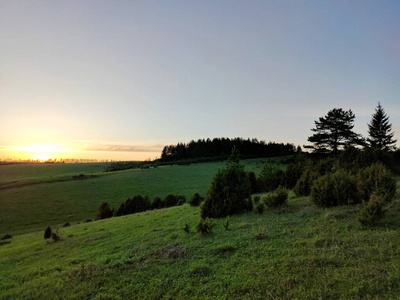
column 229, row 192
column 174, row 200
column 291, row 175
column 372, row 210
column 377, row 179
column 304, row 184
column 333, row 189
column 252, row 181
column 105, row 211
column 205, row 226
column 47, row 232
column 134, row 205
column 277, row 198
column 270, row 178
column 157, row 203
column 196, row 199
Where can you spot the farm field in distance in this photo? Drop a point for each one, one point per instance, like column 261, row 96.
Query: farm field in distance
column 35, row 196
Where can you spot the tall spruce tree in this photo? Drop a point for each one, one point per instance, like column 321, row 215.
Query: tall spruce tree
column 379, row 130
column 334, row 131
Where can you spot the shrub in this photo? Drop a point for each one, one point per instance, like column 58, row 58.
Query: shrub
column 277, row 198
column 292, row 175
column 324, row 166
column 181, row 200
column 372, row 210
column 256, row 199
column 252, row 181
column 47, row 233
column 270, row 178
column 157, row 203
column 171, row 200
column 205, row 226
column 196, row 199
column 105, row 211
column 228, row 194
column 260, row 208
column 377, row 179
column 55, row 237
column 6, row 237
column 134, row 205
column 303, row 185
column 333, row 189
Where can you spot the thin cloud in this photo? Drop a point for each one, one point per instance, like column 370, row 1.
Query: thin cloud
column 125, row 148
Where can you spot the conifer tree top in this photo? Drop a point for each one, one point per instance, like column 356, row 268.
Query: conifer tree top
column 334, row 131
column 379, row 130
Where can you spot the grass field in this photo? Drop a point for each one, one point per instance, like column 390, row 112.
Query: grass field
column 35, row 196
column 302, row 252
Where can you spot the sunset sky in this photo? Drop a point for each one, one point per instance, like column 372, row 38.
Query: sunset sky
column 120, row 79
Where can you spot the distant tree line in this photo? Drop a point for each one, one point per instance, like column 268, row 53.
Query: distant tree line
column 248, row 148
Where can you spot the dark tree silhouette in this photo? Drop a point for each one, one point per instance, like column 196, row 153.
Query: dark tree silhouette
column 379, row 130
column 105, row 211
column 218, row 147
column 334, row 131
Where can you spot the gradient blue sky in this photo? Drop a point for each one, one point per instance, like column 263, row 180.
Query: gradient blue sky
column 105, row 78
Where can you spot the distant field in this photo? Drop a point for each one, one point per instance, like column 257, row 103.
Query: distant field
column 302, row 252
column 35, row 196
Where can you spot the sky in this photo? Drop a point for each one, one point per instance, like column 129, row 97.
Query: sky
column 121, row 79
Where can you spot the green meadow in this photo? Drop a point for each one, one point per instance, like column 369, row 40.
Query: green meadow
column 296, row 252
column 300, row 252
column 35, row 196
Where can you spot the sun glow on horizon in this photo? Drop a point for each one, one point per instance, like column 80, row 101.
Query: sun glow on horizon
column 42, row 152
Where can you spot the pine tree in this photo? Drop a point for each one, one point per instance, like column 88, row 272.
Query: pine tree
column 334, row 131
column 379, row 130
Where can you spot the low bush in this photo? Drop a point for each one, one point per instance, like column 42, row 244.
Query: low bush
column 278, row 198
column 47, row 233
column 291, row 175
column 6, row 237
column 205, row 226
column 105, row 211
column 270, row 178
column 333, row 189
column 377, row 179
column 157, row 203
column 55, row 237
column 252, row 182
column 181, row 200
column 229, row 192
column 196, row 199
column 133, row 205
column 256, row 199
column 171, row 200
column 372, row 210
column 304, row 184
column 260, row 208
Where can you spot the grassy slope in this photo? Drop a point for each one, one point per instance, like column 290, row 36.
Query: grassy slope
column 33, row 207
column 309, row 253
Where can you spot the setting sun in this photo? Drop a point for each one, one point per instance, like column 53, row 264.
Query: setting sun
column 41, row 152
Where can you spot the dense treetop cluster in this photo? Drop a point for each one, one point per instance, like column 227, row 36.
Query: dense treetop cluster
column 248, row 148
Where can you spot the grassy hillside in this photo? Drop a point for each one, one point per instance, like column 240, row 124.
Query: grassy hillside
column 301, row 252
column 35, row 196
